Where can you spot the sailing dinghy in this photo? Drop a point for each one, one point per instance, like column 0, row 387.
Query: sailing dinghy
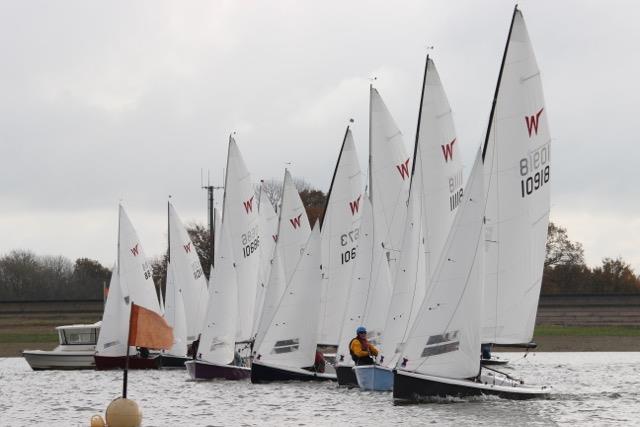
column 131, row 281
column 288, row 350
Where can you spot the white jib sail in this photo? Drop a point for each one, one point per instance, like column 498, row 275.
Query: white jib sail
column 115, row 321
column 340, row 232
column 217, row 342
column 291, row 339
column 517, row 166
column 411, row 279
column 240, row 213
column 389, row 177
column 292, row 237
column 189, row 276
column 175, row 314
column 134, row 270
column 268, row 238
column 444, row 340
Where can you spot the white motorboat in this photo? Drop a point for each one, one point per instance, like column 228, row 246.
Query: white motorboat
column 75, row 351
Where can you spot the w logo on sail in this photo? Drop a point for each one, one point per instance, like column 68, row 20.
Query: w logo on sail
column 355, row 205
column 248, row 205
column 403, row 168
column 275, row 237
column 533, row 122
column 447, row 150
column 296, row 221
column 135, row 250
column 187, row 247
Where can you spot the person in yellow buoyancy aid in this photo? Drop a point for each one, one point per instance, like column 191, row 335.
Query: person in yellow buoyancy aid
column 361, row 350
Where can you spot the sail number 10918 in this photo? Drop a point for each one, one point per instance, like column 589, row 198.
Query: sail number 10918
column 536, row 169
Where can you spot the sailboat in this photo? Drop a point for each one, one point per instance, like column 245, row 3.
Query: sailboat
column 440, row 356
column 291, row 238
column 232, row 289
column 517, row 166
column 389, row 176
column 187, row 292
column 340, row 230
column 288, row 349
column 131, row 281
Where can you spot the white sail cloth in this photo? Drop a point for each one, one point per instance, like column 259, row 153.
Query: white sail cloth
column 517, row 160
column 175, row 314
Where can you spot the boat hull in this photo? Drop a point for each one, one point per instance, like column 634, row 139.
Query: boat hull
column 411, row 387
column 104, row 363
column 201, row 370
column 40, row 360
column 346, row 376
column 263, row 373
column 374, row 377
column 170, row 361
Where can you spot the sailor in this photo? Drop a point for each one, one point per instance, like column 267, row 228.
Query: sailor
column 361, row 350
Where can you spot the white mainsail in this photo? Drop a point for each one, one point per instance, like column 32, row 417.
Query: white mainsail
column 268, row 238
column 340, row 232
column 240, row 218
column 517, row 166
column 444, row 340
column 369, row 292
column 217, row 342
column 389, row 177
column 175, row 314
column 189, row 276
column 290, row 339
column 291, row 238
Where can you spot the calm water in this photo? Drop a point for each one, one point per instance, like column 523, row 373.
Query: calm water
column 589, row 389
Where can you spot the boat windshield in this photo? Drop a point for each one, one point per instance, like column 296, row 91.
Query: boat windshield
column 78, row 336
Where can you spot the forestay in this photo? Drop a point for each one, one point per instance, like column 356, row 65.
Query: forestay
column 517, row 166
column 290, row 339
column 444, row 340
column 340, row 232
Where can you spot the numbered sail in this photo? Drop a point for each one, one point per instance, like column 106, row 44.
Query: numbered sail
column 389, row 177
column 291, row 339
column 444, row 340
column 369, row 292
column 217, row 342
column 291, row 238
column 189, row 276
column 340, row 232
column 517, row 166
column 240, row 213
column 175, row 314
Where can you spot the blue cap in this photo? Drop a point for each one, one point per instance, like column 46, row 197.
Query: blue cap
column 361, row 329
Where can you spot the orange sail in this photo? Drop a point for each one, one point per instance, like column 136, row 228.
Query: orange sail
column 148, row 329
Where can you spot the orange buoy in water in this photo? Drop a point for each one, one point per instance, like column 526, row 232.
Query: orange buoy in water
column 123, row 413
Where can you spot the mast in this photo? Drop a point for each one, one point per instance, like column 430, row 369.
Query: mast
column 415, row 145
column 370, row 158
column 335, row 170
column 495, row 95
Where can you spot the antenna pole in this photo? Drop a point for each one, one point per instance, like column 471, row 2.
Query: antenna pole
column 210, row 214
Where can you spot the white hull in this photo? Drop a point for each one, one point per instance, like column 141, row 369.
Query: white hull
column 43, row 360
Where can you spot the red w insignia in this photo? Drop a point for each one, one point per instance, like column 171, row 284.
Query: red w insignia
column 248, row 205
column 187, row 247
column 135, row 250
column 355, row 205
column 447, row 150
column 533, row 122
column 403, row 168
column 296, row 221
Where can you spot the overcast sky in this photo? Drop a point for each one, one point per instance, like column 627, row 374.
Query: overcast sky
column 109, row 101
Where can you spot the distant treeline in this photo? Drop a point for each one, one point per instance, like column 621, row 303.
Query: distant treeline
column 25, row 276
